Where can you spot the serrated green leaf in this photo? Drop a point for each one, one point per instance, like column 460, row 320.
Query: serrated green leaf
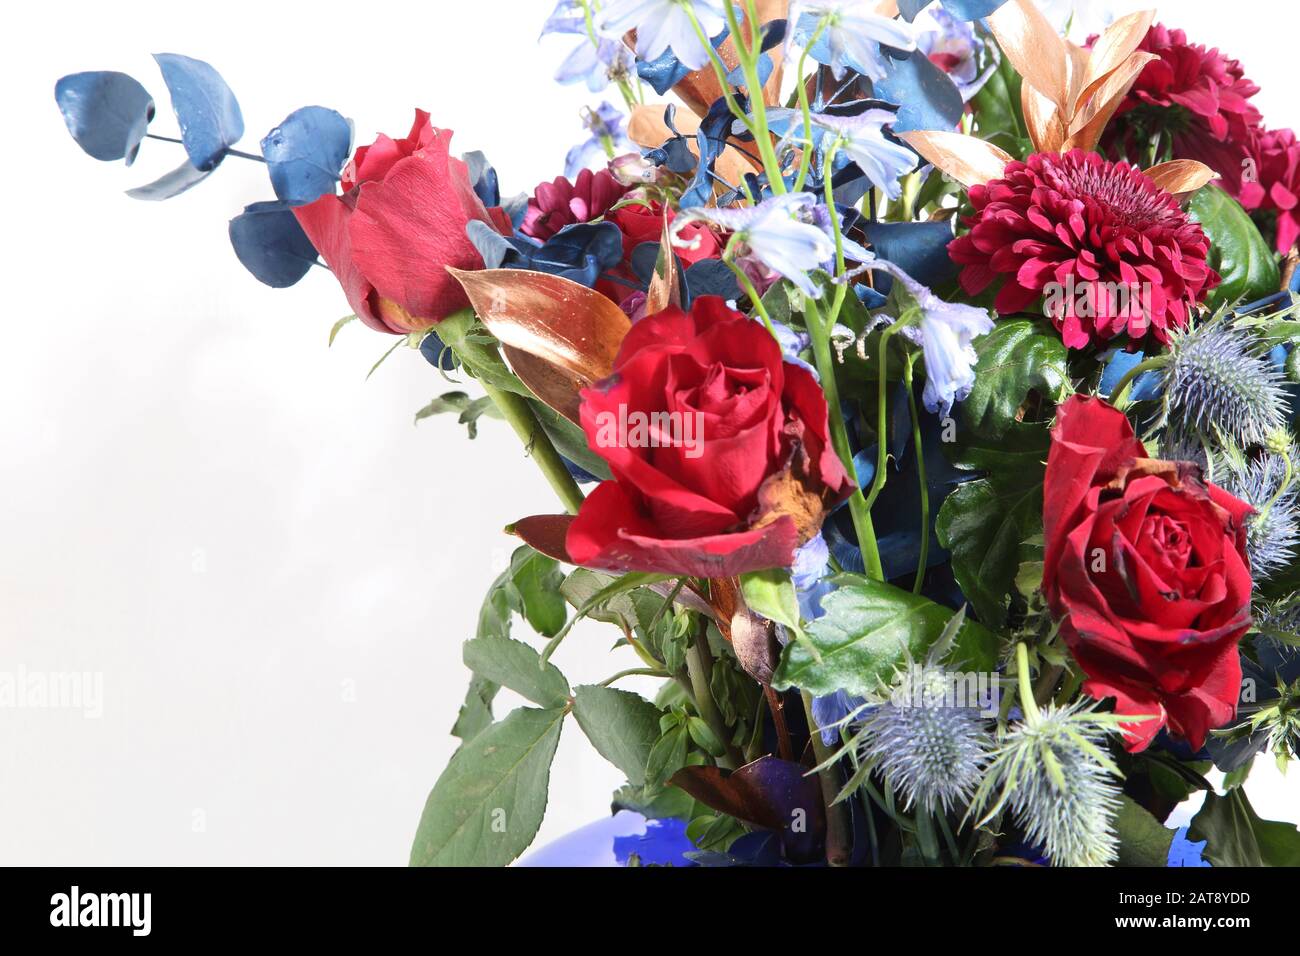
column 570, row 440
column 445, row 404
column 515, row 665
column 869, row 629
column 1017, row 357
column 488, row 804
column 983, row 523
column 475, row 713
column 1143, row 840
column 622, row 726
column 1238, row 252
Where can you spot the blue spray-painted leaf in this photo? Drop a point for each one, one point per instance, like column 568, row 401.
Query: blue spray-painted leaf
column 305, row 153
column 926, row 96
column 437, row 354
column 737, row 76
column 710, row 277
column 180, row 179
column 971, row 9
column 107, row 113
column 918, row 248
column 205, row 108
column 666, row 71
column 271, row 245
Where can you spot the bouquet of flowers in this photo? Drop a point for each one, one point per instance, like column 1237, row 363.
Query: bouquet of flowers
column 918, row 389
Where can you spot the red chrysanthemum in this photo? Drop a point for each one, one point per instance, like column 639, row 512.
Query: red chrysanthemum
column 1109, row 250
column 1196, row 96
column 1275, row 187
column 562, row 203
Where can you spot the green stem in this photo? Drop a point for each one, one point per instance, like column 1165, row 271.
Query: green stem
column 747, row 53
column 858, row 507
column 634, row 672
column 838, row 836
column 923, row 561
column 882, row 411
column 1028, row 703
column 699, row 664
column 1117, row 397
column 514, row 409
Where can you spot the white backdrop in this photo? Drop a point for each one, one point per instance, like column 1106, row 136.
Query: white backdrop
column 269, row 565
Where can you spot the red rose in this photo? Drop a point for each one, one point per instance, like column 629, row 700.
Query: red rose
column 400, row 221
column 1146, row 568
column 719, row 449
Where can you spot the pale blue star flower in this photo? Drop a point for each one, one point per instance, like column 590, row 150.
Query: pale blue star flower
column 598, row 59
column 945, row 332
column 851, row 34
column 862, row 139
column 666, row 24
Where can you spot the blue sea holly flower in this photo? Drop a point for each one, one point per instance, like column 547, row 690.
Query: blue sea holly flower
column 779, row 233
column 666, row 24
column 847, row 35
column 945, row 331
column 607, row 140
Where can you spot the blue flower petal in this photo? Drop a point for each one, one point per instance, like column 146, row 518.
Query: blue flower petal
column 305, row 153
column 205, row 108
column 1185, row 852
column 107, row 113
column 271, row 244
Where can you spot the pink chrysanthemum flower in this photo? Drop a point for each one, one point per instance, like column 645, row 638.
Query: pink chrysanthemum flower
column 1275, row 187
column 1107, row 250
column 562, row 203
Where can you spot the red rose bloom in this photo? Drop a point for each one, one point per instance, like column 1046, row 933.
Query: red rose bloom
column 644, row 222
column 1198, row 96
column 1276, row 184
column 400, row 221
column 720, row 450
column 1112, row 251
column 1145, row 566
column 562, row 203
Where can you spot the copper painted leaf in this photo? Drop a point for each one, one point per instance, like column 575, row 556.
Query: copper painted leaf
column 700, row 90
column 969, row 160
column 1087, row 126
column 1119, row 41
column 1181, row 176
column 554, row 321
column 665, row 287
column 1043, row 119
column 545, row 533
column 752, row 638
column 1032, row 45
column 646, row 127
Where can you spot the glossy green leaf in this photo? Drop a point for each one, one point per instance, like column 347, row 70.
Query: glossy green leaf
column 1143, row 840
column 486, row 807
column 1238, row 837
column 537, row 579
column 868, row 630
column 517, row 666
column 1017, row 357
column 1238, row 252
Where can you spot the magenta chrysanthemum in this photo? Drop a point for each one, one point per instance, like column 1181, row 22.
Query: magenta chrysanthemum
column 1108, row 250
column 562, row 203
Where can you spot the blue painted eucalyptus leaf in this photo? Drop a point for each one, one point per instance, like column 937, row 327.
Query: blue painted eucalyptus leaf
column 305, row 153
column 918, row 248
column 961, row 9
column 172, row 184
column 926, row 96
column 205, row 107
column 107, row 113
column 271, row 245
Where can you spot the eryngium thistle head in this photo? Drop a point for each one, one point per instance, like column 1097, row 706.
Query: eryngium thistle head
column 1218, row 381
column 930, row 752
column 1059, row 785
column 1279, row 617
column 1273, row 531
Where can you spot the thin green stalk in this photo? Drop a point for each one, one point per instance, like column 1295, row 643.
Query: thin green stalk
column 839, row 840
column 699, row 664
column 514, row 409
column 924, row 560
column 882, row 418
column 858, row 507
column 747, row 53
column 748, row 285
column 634, row 672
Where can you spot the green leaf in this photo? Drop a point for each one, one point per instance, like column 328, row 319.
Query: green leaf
column 1237, row 837
column 537, row 579
column 1244, row 261
column 569, row 440
column 868, row 630
column 517, row 666
column 445, row 404
column 486, row 807
column 1017, row 357
column 1143, row 840
column 339, row 325
column 983, row 523
column 622, row 726
column 771, row 594
column 478, row 352
column 476, row 713
column 667, row 756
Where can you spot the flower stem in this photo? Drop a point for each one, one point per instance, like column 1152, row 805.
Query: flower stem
column 1027, row 702
column 699, row 664
column 924, row 559
column 858, row 507
column 514, row 409
column 747, row 52
column 1117, row 397
column 838, row 838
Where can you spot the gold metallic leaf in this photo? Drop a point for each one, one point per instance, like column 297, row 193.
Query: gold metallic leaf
column 1034, row 49
column 552, row 320
column 1043, row 120
column 1112, row 49
column 665, row 288
column 1181, row 176
column 969, row 160
column 1087, row 126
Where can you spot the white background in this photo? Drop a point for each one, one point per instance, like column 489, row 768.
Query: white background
column 203, row 503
